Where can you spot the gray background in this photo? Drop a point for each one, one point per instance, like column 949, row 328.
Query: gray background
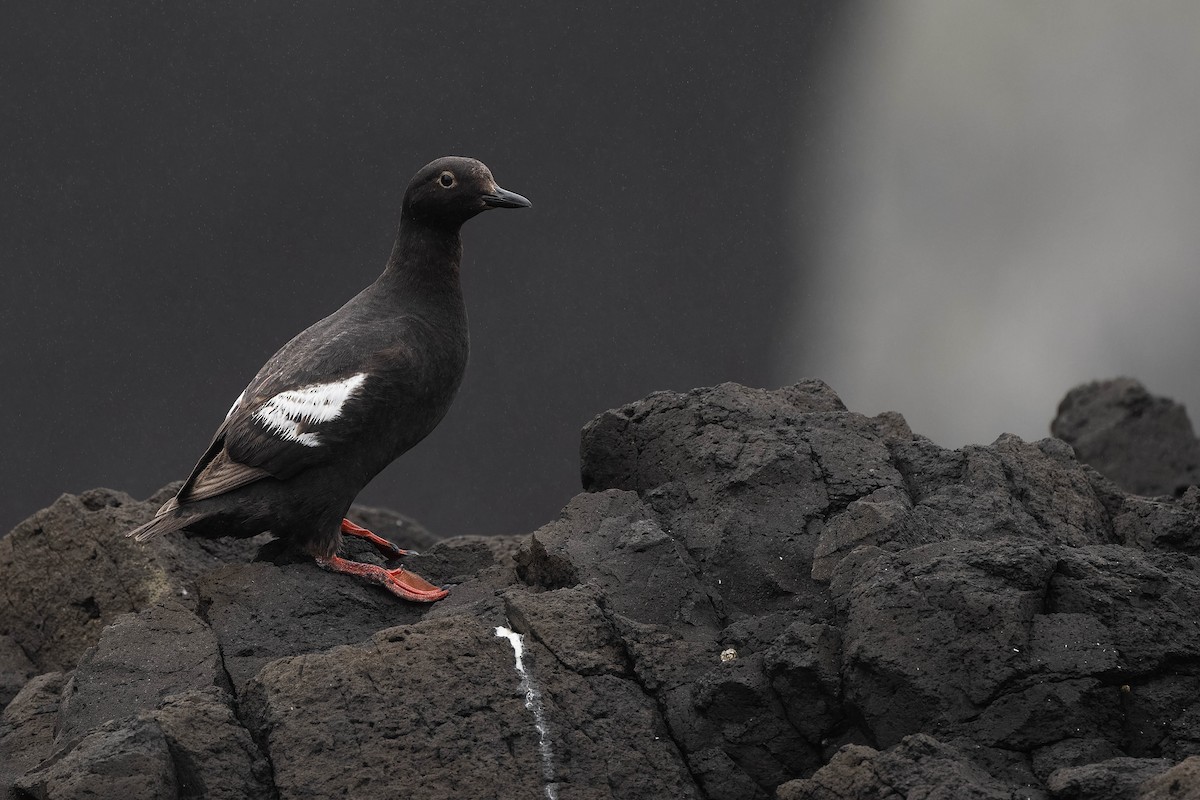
column 189, row 185
column 956, row 210
column 1010, row 206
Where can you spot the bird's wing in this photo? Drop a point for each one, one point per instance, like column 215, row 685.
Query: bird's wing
column 283, row 431
column 217, row 474
column 294, row 414
column 275, row 432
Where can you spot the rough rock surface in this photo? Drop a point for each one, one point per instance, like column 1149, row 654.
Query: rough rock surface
column 1142, row 442
column 760, row 594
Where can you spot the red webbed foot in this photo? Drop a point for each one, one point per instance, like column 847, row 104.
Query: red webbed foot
column 399, row 582
column 381, row 544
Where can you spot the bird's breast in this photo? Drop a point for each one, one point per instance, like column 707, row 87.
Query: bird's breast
column 413, row 385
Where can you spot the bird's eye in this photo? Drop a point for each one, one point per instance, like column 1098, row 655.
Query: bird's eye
column 446, row 179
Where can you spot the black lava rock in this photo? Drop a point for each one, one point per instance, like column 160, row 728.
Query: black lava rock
column 1143, row 442
column 760, row 594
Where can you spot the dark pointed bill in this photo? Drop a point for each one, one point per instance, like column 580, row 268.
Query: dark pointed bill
column 502, row 198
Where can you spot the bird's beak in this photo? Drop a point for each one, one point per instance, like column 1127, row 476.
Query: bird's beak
column 502, row 198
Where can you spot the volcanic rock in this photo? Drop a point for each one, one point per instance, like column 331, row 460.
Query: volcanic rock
column 1143, row 442
column 760, row 594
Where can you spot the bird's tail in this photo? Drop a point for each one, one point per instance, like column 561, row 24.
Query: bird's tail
column 169, row 518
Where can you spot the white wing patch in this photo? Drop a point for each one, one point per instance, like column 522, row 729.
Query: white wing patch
column 288, row 412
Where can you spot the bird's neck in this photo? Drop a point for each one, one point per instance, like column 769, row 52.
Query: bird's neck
column 425, row 259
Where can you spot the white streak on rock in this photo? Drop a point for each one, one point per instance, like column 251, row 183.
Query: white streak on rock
column 533, row 702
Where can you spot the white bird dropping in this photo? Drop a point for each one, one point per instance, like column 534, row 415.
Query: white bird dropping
column 533, row 702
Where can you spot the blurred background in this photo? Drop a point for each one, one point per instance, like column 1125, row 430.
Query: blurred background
column 955, row 210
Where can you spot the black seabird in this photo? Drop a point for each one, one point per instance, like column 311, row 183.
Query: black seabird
column 349, row 395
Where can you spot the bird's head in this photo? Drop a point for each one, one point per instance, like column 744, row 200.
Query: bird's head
column 449, row 191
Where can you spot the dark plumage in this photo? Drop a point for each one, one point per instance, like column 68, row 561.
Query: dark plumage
column 350, row 394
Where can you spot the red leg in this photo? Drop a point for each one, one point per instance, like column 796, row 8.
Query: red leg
column 381, row 544
column 399, row 582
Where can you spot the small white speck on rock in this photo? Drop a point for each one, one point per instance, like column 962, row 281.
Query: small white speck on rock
column 728, row 654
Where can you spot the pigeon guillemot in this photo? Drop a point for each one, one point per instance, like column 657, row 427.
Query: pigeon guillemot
column 350, row 394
